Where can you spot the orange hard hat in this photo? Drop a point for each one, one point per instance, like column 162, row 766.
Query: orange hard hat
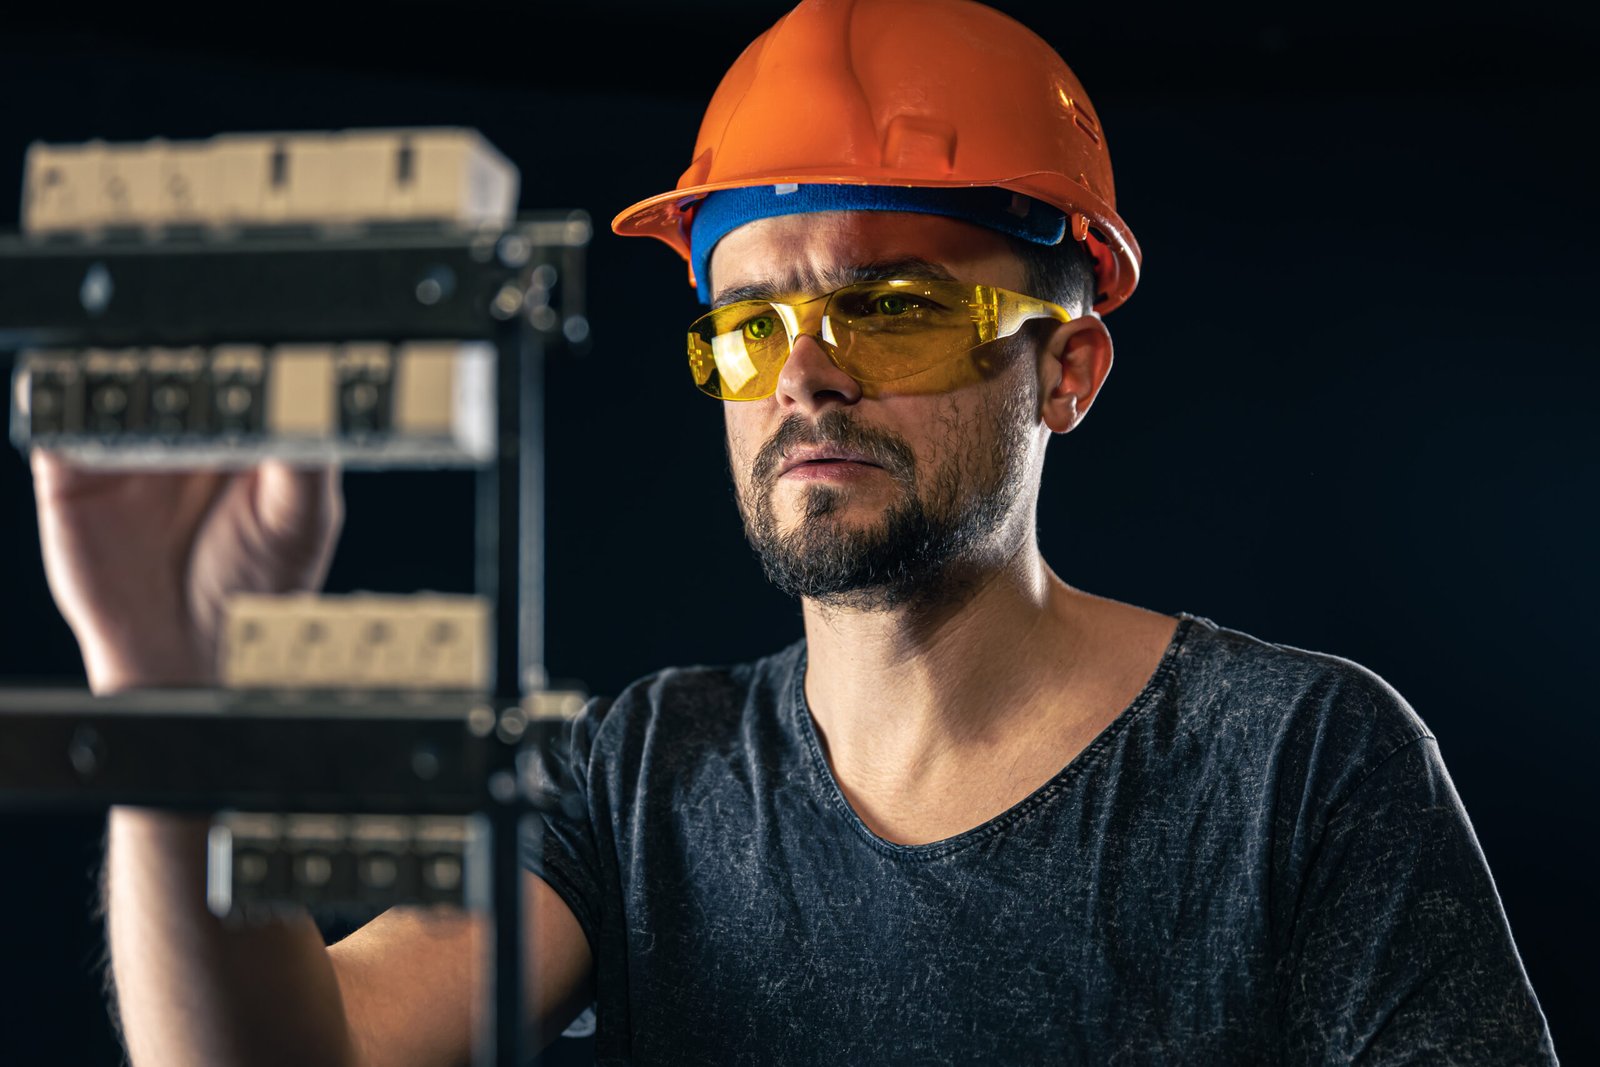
column 923, row 93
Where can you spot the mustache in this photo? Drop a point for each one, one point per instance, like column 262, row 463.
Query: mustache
column 840, row 429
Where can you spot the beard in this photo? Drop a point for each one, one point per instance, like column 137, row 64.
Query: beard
column 932, row 541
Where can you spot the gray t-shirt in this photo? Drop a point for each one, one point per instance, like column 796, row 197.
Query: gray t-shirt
column 1261, row 860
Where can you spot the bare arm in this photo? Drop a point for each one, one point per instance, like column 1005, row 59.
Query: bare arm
column 140, row 565
column 189, row 990
column 403, row 990
column 413, row 980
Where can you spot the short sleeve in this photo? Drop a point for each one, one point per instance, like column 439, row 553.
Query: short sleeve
column 1400, row 951
column 559, row 844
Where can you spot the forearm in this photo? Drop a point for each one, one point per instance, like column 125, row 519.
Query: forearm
column 193, row 990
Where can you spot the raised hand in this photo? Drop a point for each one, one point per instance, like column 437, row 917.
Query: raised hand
column 141, row 563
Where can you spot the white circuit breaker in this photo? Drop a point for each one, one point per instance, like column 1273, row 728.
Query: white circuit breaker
column 425, row 402
column 370, row 641
column 425, row 174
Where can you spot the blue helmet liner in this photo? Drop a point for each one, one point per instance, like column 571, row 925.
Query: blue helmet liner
column 725, row 210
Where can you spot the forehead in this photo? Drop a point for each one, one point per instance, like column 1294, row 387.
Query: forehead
column 798, row 254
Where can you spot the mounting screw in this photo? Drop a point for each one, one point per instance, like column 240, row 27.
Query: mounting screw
column 95, row 292
column 480, row 721
column 514, row 250
column 86, row 751
column 513, row 724
column 436, row 285
column 425, row 762
column 507, row 302
column 503, row 786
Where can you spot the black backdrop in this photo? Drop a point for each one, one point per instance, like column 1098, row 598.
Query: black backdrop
column 1351, row 410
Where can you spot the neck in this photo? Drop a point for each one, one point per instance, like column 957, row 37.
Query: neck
column 908, row 687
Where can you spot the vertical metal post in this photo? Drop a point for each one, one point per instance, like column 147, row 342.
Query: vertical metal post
column 501, row 489
column 501, row 552
column 530, row 585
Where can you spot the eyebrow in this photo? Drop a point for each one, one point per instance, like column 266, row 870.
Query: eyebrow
column 836, row 278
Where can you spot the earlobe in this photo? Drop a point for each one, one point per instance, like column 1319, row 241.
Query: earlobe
column 1073, row 364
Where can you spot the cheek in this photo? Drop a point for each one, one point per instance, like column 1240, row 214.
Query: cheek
column 967, row 434
column 957, row 426
column 743, row 439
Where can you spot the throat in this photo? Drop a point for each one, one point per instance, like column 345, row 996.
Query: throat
column 922, row 754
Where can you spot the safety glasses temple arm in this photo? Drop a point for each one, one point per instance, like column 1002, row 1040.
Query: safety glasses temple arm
column 1016, row 309
column 1001, row 312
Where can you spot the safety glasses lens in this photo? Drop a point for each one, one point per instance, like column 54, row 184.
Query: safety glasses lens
column 873, row 331
column 884, row 331
column 736, row 352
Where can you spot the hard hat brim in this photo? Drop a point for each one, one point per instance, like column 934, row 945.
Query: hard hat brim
column 668, row 216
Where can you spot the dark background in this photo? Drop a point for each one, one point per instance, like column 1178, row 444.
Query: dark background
column 1352, row 408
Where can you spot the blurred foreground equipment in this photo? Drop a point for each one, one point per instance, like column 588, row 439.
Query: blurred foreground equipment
column 258, row 863
column 370, row 404
column 242, row 180
column 424, row 642
column 366, row 298
column 309, row 296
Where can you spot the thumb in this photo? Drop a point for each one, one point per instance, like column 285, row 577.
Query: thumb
column 301, row 506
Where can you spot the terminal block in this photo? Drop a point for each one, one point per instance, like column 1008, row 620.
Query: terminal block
column 365, row 404
column 363, row 641
column 259, row 865
column 240, row 180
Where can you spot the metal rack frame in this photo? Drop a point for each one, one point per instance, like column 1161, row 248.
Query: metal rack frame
column 519, row 287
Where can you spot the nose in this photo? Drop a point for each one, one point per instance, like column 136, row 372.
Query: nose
column 810, row 381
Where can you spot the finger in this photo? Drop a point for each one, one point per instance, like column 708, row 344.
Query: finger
column 186, row 496
column 182, row 496
column 293, row 502
column 54, row 475
column 59, row 481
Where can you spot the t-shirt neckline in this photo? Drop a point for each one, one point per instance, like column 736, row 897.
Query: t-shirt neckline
column 797, row 713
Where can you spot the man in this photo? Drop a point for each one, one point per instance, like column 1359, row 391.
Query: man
column 977, row 815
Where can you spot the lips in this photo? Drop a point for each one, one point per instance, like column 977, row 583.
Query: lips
column 800, row 457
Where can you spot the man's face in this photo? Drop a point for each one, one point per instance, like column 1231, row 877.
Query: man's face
column 877, row 495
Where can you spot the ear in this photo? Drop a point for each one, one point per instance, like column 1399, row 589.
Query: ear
column 1073, row 364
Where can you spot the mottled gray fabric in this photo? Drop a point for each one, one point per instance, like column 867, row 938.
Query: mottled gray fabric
column 1262, row 860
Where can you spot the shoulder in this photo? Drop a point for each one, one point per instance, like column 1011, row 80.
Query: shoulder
column 1229, row 673
column 1309, row 716
column 689, row 706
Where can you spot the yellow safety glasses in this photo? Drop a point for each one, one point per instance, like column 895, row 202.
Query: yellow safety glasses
column 873, row 331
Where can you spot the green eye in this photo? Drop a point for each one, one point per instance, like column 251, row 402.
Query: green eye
column 760, row 328
column 891, row 304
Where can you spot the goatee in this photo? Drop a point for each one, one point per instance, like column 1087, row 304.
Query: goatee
column 914, row 554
